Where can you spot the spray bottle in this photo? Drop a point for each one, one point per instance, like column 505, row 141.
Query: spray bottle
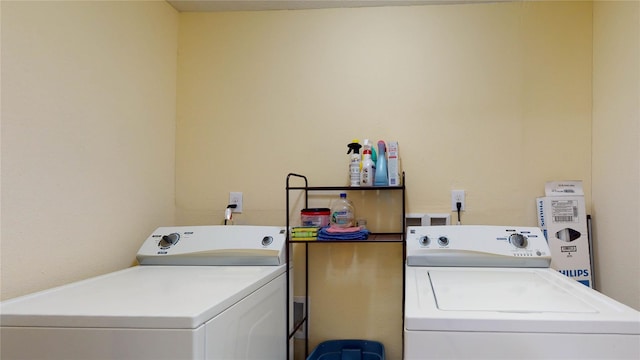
column 368, row 170
column 381, row 178
column 354, row 162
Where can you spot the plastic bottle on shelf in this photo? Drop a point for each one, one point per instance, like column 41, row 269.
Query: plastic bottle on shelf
column 374, row 154
column 368, row 170
column 381, row 178
column 354, row 162
column 342, row 212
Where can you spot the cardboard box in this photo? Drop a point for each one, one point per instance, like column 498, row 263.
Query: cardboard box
column 563, row 220
column 393, row 164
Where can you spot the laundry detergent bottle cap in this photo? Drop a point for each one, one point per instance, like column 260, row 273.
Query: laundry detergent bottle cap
column 381, row 177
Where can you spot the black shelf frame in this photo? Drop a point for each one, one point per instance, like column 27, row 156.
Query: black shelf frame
column 398, row 237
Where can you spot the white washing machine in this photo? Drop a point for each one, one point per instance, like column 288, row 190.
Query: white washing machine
column 487, row 292
column 201, row 292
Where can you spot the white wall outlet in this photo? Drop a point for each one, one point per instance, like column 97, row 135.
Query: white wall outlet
column 457, row 196
column 236, row 198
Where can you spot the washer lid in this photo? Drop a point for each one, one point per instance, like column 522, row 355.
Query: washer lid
column 521, row 292
column 176, row 297
column 510, row 300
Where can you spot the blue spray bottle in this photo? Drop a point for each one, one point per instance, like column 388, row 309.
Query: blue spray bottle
column 381, row 178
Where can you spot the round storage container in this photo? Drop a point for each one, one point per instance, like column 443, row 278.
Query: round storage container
column 315, row 217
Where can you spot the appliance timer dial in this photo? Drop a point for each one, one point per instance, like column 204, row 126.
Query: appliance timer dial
column 168, row 240
column 518, row 240
column 267, row 240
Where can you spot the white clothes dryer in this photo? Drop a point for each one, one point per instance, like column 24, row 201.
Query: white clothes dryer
column 487, row 292
column 201, row 292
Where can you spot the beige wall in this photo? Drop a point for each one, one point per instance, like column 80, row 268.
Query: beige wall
column 616, row 149
column 494, row 99
column 88, row 129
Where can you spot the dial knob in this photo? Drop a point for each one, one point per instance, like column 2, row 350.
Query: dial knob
column 267, row 240
column 518, row 240
column 424, row 240
column 168, row 240
column 443, row 240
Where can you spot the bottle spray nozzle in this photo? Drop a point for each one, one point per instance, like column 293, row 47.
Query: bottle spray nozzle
column 354, row 146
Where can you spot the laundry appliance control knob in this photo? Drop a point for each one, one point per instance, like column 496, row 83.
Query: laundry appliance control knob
column 443, row 240
column 424, row 240
column 168, row 240
column 267, row 240
column 518, row 240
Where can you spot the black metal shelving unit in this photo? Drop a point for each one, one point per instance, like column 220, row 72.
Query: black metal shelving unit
column 375, row 237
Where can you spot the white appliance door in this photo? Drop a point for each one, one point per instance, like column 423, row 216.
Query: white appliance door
column 508, row 300
column 161, row 297
column 503, row 291
column 144, row 312
column 493, row 313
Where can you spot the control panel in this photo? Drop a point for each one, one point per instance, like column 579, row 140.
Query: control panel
column 214, row 245
column 477, row 245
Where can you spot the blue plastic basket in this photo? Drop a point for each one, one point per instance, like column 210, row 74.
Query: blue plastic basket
column 348, row 350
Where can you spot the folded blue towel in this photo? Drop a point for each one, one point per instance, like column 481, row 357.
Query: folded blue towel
column 323, row 234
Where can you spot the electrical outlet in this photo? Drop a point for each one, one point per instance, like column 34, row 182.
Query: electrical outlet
column 236, row 198
column 457, row 196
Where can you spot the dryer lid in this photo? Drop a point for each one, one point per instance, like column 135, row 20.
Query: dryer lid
column 152, row 297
